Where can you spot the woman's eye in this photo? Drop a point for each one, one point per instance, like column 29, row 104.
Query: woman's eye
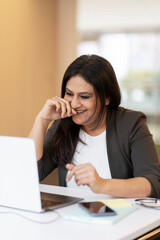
column 84, row 97
column 69, row 94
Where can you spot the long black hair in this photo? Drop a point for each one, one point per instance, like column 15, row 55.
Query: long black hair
column 100, row 74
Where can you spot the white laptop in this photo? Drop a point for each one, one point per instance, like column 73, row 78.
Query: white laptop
column 19, row 180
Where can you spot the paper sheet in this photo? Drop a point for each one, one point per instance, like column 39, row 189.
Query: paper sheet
column 116, row 202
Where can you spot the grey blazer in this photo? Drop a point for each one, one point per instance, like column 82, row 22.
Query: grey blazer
column 131, row 150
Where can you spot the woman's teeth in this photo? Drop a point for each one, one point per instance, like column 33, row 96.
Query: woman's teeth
column 80, row 111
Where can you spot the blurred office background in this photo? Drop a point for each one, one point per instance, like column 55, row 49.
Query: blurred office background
column 127, row 33
column 39, row 39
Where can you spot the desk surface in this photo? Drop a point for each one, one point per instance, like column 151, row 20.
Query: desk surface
column 15, row 227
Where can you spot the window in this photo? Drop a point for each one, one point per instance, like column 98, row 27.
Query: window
column 136, row 60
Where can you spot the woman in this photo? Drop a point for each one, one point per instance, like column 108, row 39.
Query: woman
column 95, row 143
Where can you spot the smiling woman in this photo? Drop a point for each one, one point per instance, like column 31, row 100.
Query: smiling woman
column 83, row 100
column 95, row 143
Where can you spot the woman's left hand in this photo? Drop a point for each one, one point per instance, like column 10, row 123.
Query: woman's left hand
column 85, row 174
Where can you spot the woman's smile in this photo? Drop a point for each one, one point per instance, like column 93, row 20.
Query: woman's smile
column 80, row 111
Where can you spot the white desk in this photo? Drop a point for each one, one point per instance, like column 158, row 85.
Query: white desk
column 17, row 228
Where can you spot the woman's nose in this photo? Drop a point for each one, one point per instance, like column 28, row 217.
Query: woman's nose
column 75, row 103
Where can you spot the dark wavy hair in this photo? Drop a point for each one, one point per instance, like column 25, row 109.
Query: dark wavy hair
column 100, row 74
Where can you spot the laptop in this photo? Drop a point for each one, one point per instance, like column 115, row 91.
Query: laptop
column 19, row 179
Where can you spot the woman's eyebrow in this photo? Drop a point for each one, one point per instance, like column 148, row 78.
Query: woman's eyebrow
column 89, row 93
column 68, row 89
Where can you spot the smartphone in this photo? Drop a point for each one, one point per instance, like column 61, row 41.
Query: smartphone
column 97, row 208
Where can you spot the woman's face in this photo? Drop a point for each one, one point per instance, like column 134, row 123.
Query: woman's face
column 82, row 98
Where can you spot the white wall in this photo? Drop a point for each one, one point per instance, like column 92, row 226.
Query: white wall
column 118, row 15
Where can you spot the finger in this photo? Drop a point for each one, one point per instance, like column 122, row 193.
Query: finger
column 80, row 169
column 58, row 107
column 54, row 105
column 66, row 106
column 81, row 174
column 69, row 166
column 78, row 172
column 69, row 177
column 69, row 110
column 73, row 111
column 71, row 174
column 83, row 181
column 79, row 178
column 54, row 102
column 63, row 108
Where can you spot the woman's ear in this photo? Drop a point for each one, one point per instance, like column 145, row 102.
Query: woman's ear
column 107, row 101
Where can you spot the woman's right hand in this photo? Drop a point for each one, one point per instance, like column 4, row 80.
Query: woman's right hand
column 56, row 108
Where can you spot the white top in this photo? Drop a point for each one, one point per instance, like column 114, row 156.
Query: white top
column 94, row 152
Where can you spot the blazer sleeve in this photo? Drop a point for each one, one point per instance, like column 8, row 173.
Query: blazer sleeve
column 139, row 148
column 143, row 153
column 46, row 164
